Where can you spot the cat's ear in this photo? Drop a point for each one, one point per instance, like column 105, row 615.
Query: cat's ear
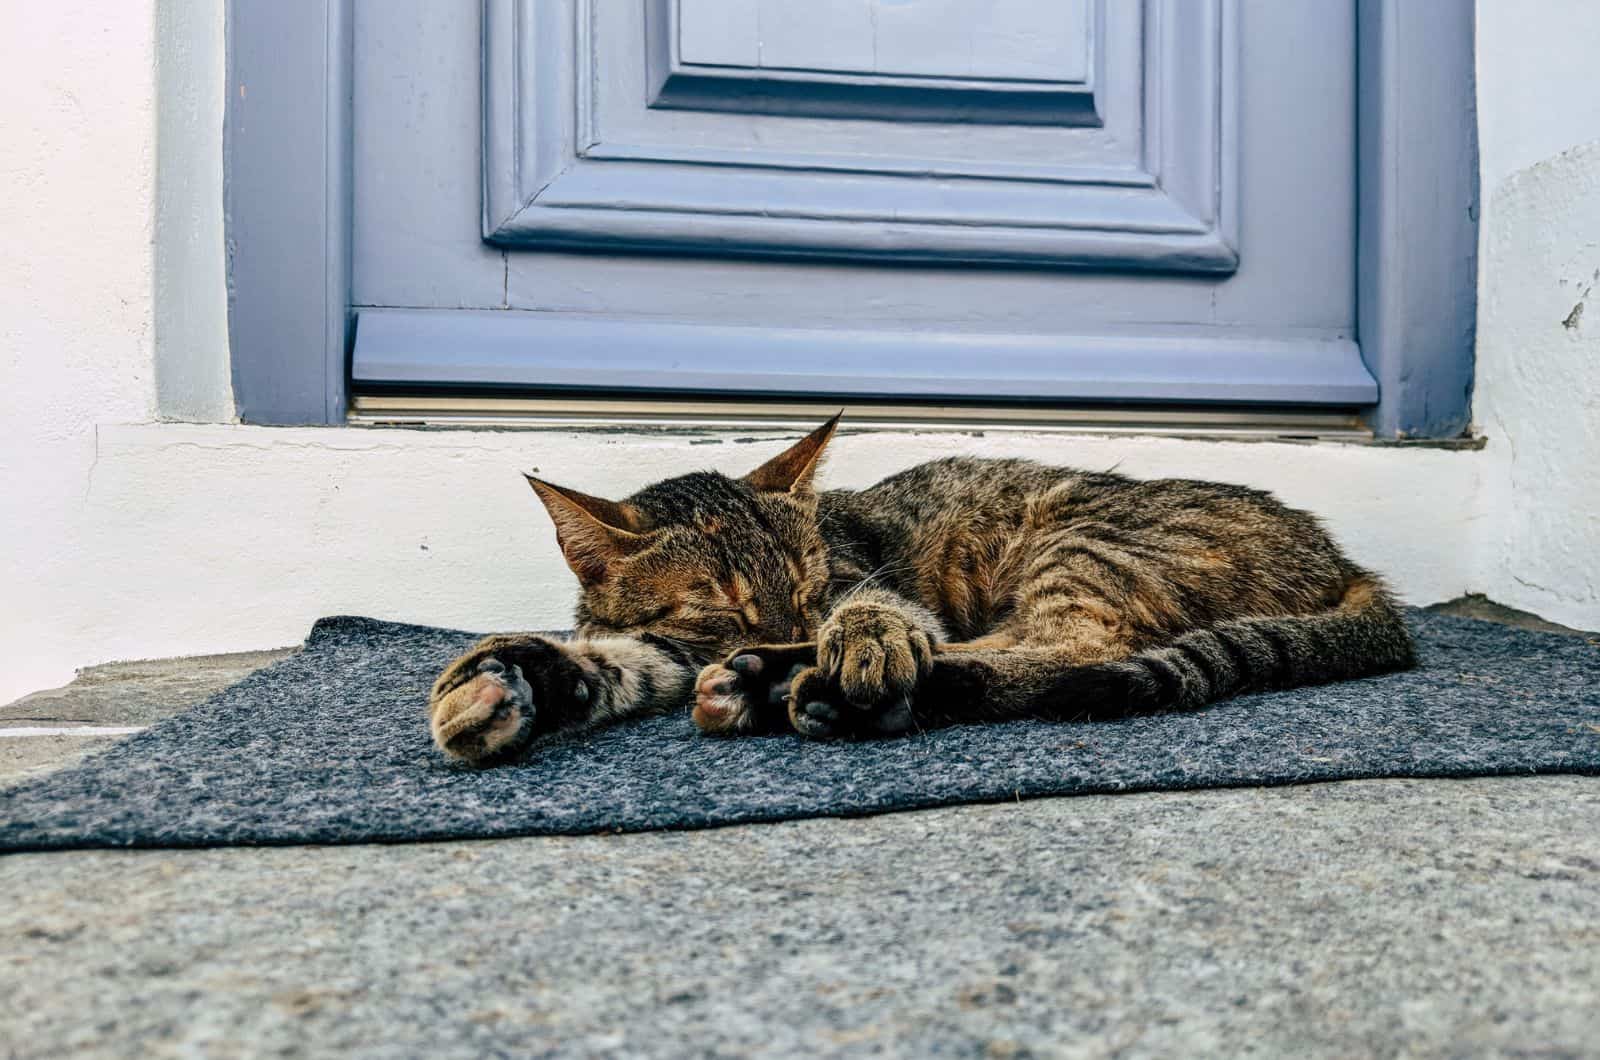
column 592, row 532
column 793, row 470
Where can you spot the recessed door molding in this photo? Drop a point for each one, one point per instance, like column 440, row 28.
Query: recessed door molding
column 553, row 179
column 723, row 82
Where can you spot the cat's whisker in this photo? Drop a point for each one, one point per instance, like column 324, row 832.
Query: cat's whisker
column 870, row 579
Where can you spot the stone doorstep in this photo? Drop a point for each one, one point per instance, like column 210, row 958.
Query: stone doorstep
column 135, row 693
column 58, row 727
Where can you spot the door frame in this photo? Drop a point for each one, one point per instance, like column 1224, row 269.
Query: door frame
column 287, row 188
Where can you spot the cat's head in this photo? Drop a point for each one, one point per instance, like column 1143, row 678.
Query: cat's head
column 709, row 561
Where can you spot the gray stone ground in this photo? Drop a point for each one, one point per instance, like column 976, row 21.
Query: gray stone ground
column 117, row 695
column 1386, row 918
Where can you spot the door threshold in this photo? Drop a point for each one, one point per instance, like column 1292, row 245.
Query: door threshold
column 696, row 413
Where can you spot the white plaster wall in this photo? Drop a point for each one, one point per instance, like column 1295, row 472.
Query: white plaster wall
column 1537, row 396
column 77, row 168
column 77, row 157
column 1536, row 82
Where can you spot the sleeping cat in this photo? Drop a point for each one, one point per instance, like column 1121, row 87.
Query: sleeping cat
column 962, row 590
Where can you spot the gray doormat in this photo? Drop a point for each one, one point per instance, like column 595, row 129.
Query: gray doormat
column 330, row 746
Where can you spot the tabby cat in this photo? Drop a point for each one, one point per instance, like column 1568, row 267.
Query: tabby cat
column 962, row 590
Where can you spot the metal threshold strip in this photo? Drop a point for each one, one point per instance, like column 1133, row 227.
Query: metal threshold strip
column 423, row 410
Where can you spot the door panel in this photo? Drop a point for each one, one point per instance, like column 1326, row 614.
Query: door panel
column 1026, row 60
column 1027, row 40
column 1156, row 198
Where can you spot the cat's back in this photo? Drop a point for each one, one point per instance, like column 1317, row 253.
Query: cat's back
column 973, row 504
column 965, row 532
column 967, row 482
column 975, row 484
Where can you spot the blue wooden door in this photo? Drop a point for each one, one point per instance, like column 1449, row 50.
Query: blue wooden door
column 996, row 200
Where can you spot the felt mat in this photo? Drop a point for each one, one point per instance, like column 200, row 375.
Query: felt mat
column 331, row 746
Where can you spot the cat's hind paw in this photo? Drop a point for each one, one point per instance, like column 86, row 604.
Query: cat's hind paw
column 818, row 709
column 749, row 691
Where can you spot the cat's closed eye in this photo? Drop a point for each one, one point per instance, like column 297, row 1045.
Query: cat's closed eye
column 746, row 617
column 651, row 617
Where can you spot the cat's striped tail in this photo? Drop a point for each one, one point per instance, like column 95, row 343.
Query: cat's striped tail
column 1361, row 636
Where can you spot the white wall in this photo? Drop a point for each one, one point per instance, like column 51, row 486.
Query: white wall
column 1538, row 373
column 77, row 169
column 126, row 536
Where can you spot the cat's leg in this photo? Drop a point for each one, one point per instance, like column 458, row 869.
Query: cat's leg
column 1363, row 635
column 818, row 709
column 967, row 683
column 1001, row 639
column 876, row 646
column 876, row 649
column 778, row 688
column 970, row 681
column 489, row 705
column 1082, row 665
column 858, row 679
column 878, row 658
column 873, row 652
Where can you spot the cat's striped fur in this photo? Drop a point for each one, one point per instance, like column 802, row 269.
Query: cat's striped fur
column 960, row 590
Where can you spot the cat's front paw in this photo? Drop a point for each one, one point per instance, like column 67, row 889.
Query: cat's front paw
column 874, row 655
column 488, row 716
column 748, row 692
column 490, row 703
